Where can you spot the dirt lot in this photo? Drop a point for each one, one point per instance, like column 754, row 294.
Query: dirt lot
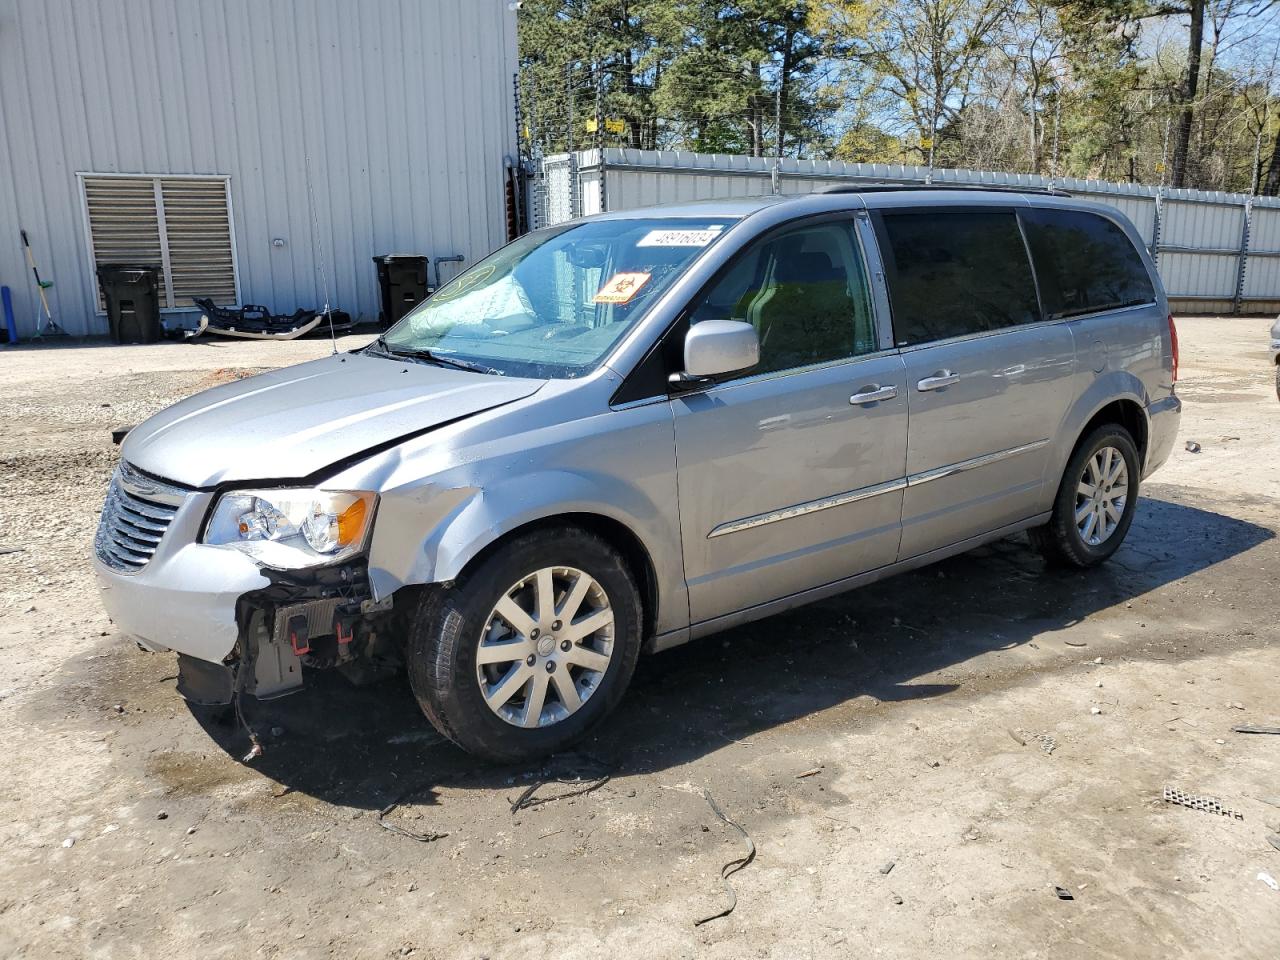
column 131, row 828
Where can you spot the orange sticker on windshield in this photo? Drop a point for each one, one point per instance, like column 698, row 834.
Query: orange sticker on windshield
column 621, row 288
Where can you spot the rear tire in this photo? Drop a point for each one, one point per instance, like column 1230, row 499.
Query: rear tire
column 1095, row 503
column 502, row 671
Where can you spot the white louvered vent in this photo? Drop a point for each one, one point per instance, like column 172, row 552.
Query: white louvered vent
column 180, row 225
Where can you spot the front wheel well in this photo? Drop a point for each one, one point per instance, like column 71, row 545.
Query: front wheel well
column 618, row 535
column 1125, row 413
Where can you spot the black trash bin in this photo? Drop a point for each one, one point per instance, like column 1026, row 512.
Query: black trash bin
column 132, row 294
column 402, row 278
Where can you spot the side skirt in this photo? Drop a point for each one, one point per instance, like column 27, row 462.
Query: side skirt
column 675, row 638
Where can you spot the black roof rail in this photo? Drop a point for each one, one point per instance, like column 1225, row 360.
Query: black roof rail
column 976, row 187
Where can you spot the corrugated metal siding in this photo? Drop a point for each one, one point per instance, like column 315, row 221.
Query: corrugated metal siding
column 404, row 107
column 1198, row 243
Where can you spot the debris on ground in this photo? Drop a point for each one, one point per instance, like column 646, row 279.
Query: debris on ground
column 69, row 842
column 1075, row 643
column 733, row 866
column 1247, row 729
column 581, row 785
column 1197, row 802
column 1269, row 880
column 427, row 837
column 1063, row 893
column 1274, row 840
column 897, row 899
column 1017, row 738
column 1193, row 447
column 813, row 772
column 887, row 867
column 1047, row 743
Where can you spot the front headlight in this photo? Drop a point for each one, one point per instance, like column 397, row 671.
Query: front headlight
column 288, row 529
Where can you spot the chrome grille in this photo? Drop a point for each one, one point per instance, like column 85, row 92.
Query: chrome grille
column 134, row 518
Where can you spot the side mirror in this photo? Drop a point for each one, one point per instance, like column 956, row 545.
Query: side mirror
column 716, row 347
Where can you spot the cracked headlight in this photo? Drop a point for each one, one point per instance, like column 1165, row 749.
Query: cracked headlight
column 288, row 529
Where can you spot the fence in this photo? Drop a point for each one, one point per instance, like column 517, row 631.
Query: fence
column 1216, row 252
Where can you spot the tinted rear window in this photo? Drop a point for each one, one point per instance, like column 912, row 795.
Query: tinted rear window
column 1085, row 263
column 957, row 273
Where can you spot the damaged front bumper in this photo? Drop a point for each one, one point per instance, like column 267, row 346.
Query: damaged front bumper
column 236, row 626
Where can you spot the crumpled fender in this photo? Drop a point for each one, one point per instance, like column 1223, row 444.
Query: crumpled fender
column 468, row 519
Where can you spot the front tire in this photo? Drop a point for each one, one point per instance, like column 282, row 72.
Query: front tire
column 531, row 649
column 1095, row 503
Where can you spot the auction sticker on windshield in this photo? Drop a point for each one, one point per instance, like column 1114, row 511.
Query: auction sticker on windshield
column 679, row 238
column 621, row 288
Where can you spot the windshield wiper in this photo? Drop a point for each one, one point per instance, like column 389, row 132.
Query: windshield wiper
column 440, row 360
column 426, row 356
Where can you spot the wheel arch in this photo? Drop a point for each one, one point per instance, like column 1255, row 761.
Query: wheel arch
column 1125, row 412
column 609, row 529
column 1116, row 397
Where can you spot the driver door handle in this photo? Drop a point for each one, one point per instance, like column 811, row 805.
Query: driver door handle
column 874, row 394
column 943, row 378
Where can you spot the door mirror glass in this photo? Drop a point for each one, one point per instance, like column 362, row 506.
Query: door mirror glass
column 716, row 347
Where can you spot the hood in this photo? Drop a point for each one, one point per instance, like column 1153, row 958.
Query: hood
column 293, row 422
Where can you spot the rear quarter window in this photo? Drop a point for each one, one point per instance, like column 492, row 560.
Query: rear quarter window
column 1085, row 263
column 956, row 273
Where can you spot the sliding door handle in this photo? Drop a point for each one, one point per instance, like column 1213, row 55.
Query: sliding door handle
column 874, row 394
column 940, row 379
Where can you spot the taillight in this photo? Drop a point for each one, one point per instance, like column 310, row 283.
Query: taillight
column 1173, row 341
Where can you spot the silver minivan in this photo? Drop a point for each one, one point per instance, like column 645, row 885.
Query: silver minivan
column 625, row 432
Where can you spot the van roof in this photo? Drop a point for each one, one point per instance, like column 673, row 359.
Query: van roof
column 873, row 195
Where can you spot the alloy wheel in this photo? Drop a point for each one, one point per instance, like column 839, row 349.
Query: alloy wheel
column 1101, row 495
column 545, row 647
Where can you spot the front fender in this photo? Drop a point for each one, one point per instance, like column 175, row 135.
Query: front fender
column 467, row 520
column 492, row 513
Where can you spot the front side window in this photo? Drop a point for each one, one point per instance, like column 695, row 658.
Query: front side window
column 956, row 273
column 804, row 290
column 554, row 302
column 1085, row 263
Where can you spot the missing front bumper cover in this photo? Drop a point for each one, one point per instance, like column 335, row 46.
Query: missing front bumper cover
column 272, row 669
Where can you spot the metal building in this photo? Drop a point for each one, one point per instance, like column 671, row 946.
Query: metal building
column 176, row 132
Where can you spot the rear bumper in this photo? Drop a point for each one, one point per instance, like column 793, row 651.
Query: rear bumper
column 1163, row 417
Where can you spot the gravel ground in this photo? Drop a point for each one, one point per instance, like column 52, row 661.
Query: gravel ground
column 896, row 725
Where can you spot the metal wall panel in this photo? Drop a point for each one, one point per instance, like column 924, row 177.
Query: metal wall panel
column 1262, row 278
column 1262, row 271
column 404, row 106
column 1197, row 275
column 1204, row 224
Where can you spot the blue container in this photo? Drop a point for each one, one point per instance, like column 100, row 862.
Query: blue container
column 10, row 326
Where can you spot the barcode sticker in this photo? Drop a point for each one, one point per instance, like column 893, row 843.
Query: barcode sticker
column 679, row 238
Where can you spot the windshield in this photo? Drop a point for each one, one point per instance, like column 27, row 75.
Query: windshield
column 554, row 302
